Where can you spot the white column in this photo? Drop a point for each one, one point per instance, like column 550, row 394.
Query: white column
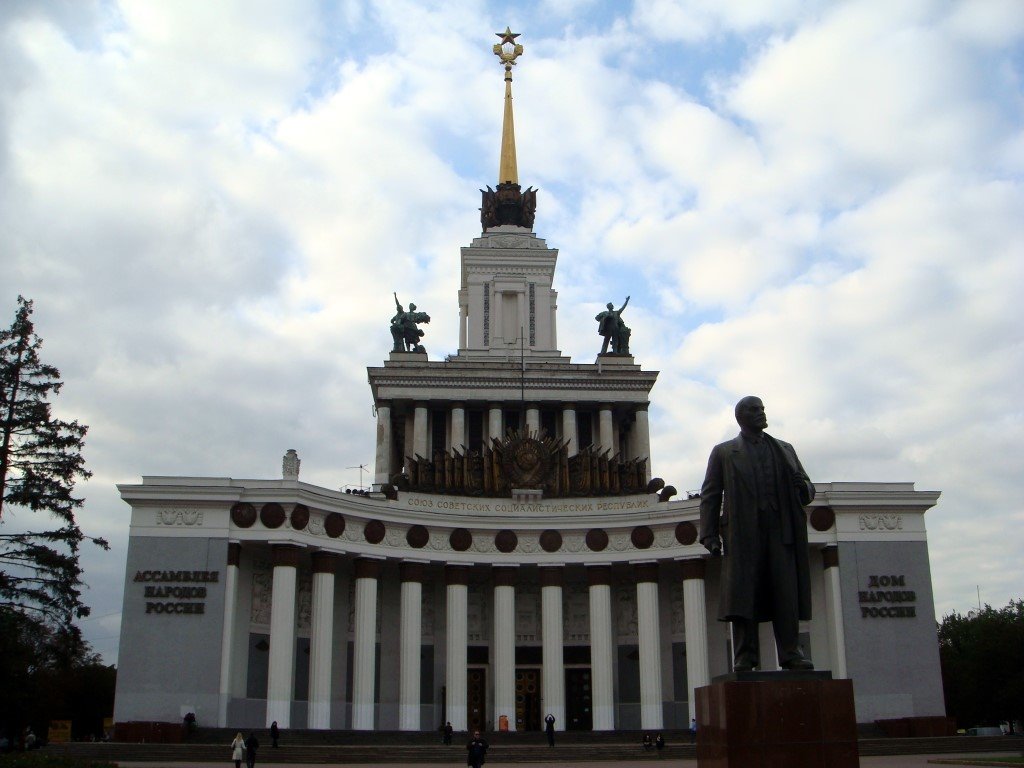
column 648, row 631
column 411, row 632
column 533, row 419
column 227, row 639
column 456, row 578
column 553, row 673
column 420, row 439
column 463, row 326
column 458, row 426
column 494, row 430
column 504, row 665
column 601, row 659
column 695, row 624
column 569, row 428
column 364, row 652
column 604, row 428
column 382, row 468
column 643, row 438
column 834, row 612
column 280, row 674
column 321, row 640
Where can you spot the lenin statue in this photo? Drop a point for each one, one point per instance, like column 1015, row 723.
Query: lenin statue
column 763, row 526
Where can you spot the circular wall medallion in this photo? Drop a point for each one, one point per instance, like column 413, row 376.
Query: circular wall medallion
column 460, row 540
column 551, row 541
column 373, row 532
column 300, row 517
column 822, row 518
column 417, row 536
column 243, row 514
column 272, row 515
column 597, row 539
column 686, row 533
column 642, row 537
column 506, row 541
column 334, row 525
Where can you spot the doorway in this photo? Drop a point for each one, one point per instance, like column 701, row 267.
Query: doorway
column 578, row 700
column 527, row 699
column 476, row 699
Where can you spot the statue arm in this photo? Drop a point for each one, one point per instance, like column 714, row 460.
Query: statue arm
column 623, row 307
column 711, row 504
column 398, row 306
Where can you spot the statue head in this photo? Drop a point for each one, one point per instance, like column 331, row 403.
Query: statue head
column 750, row 414
column 610, row 305
column 412, row 307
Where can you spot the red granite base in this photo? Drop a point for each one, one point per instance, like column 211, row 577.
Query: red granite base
column 776, row 720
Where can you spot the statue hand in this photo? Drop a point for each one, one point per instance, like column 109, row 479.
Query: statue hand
column 713, row 544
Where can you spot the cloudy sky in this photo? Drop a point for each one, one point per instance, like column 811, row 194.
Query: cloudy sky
column 821, row 203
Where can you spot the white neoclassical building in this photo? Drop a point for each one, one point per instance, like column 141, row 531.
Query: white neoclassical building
column 513, row 560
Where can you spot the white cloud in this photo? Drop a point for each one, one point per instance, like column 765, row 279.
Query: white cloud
column 212, row 204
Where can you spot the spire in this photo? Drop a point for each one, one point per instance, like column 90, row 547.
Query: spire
column 508, row 204
column 507, row 51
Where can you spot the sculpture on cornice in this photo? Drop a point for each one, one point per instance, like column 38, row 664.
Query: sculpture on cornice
column 523, row 460
column 614, row 330
column 404, row 328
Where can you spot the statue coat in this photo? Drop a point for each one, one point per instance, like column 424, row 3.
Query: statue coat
column 731, row 475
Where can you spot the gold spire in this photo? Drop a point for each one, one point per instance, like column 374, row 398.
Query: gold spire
column 507, row 51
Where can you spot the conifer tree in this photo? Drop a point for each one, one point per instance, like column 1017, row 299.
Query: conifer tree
column 40, row 460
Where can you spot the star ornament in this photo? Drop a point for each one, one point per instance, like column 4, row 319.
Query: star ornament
column 508, row 50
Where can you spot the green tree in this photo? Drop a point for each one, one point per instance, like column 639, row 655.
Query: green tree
column 982, row 657
column 40, row 460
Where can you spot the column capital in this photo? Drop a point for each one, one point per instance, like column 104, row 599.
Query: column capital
column 285, row 554
column 326, row 562
column 830, row 557
column 568, row 406
column 504, row 575
column 694, row 567
column 495, row 406
column 599, row 575
column 456, row 575
column 412, row 572
column 366, row 568
column 234, row 552
column 641, row 407
column 551, row 575
column 458, row 404
column 383, row 405
column 645, row 572
column 421, row 404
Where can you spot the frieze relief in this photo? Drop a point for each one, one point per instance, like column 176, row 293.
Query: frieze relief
column 262, row 587
column 626, row 622
column 619, row 541
column 527, row 613
column 573, row 543
column 179, row 516
column 304, row 601
column 576, row 613
column 675, row 601
column 881, row 522
column 315, row 525
column 395, row 537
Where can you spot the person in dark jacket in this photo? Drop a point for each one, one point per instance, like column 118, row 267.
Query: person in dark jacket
column 251, row 745
column 476, row 751
column 659, row 743
column 275, row 734
column 447, row 731
column 549, row 729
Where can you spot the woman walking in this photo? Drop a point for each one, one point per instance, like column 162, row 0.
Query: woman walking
column 238, row 750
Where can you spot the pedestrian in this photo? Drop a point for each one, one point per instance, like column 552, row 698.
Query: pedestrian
column 275, row 733
column 693, row 730
column 476, row 751
column 238, row 750
column 647, row 744
column 448, row 730
column 251, row 745
column 659, row 744
column 549, row 729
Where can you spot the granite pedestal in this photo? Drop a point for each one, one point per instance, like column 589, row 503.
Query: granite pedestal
column 776, row 720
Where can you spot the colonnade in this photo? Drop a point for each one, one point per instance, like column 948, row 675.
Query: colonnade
column 285, row 558
column 418, row 439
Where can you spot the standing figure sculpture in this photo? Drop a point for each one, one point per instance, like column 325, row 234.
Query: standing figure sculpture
column 404, row 328
column 765, row 575
column 610, row 326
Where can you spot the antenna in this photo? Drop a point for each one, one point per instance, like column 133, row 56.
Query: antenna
column 362, row 468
